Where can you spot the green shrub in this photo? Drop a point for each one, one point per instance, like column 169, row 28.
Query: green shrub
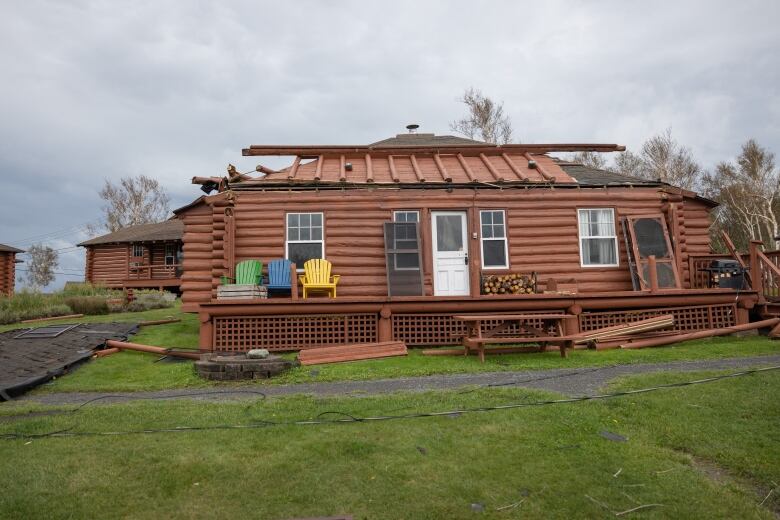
column 148, row 300
column 86, row 289
column 89, row 305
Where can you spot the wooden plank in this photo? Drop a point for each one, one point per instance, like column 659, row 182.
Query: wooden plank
column 535, row 339
column 354, row 352
column 657, row 322
column 478, row 317
column 318, row 169
column 514, row 167
column 294, row 168
column 393, row 170
column 416, row 168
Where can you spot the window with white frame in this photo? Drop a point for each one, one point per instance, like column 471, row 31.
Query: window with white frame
column 305, row 238
column 598, row 237
column 406, row 238
column 138, row 250
column 170, row 254
column 495, row 253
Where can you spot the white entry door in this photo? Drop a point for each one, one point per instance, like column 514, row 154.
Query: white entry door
column 450, row 253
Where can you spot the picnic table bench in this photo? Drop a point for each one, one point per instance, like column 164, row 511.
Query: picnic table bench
column 476, row 338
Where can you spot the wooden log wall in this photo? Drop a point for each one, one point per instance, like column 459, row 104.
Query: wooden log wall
column 7, row 273
column 542, row 232
column 196, row 279
column 107, row 264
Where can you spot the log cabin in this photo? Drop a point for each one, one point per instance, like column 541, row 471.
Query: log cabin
column 419, row 227
column 145, row 256
column 8, row 263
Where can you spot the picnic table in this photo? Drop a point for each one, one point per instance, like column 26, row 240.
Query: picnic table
column 476, row 338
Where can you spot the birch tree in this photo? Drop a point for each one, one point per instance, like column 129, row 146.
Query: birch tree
column 749, row 193
column 134, row 200
column 662, row 158
column 485, row 120
column 41, row 265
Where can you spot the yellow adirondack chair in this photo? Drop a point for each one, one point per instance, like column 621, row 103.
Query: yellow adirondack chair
column 317, row 277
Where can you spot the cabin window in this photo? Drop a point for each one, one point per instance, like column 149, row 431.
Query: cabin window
column 138, row 250
column 598, row 239
column 405, row 238
column 494, row 247
column 170, row 254
column 304, row 237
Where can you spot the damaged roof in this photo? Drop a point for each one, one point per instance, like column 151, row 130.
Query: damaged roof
column 172, row 229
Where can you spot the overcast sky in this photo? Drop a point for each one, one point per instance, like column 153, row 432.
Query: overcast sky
column 95, row 90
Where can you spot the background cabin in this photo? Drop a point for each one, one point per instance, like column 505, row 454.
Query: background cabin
column 8, row 263
column 146, row 256
column 415, row 224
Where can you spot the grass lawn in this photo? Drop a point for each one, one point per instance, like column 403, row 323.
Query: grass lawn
column 705, row 451
column 132, row 371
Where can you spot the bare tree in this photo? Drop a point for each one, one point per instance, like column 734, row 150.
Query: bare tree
column 628, row 163
column 486, row 119
column 590, row 159
column 135, row 200
column 749, row 193
column 662, row 158
column 41, row 265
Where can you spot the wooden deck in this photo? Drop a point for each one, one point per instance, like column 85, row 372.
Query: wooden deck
column 287, row 324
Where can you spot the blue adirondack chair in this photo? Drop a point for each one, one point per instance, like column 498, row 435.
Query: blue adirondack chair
column 279, row 278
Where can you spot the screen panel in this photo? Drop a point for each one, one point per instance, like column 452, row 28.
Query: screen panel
column 403, row 260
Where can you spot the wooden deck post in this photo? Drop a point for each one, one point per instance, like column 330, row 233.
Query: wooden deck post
column 652, row 274
column 206, row 336
column 385, row 325
column 756, row 277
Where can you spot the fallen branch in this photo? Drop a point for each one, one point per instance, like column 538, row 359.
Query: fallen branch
column 637, row 508
column 510, row 506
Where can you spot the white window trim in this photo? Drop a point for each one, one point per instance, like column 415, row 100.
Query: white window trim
column 580, row 238
column 505, row 239
column 287, row 241
column 172, row 256
column 415, row 211
column 132, row 250
column 419, row 256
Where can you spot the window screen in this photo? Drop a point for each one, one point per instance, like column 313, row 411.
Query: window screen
column 648, row 237
column 402, row 250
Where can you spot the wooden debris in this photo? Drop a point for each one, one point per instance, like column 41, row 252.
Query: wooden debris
column 354, row 352
column 122, row 345
column 627, row 329
column 66, row 317
column 461, row 352
column 159, row 322
column 106, row 352
column 708, row 333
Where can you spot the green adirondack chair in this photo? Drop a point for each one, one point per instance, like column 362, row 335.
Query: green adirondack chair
column 248, row 272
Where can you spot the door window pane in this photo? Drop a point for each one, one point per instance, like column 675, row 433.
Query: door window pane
column 449, row 233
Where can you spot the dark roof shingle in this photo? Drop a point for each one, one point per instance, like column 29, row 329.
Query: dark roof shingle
column 405, row 140
column 8, row 249
column 172, row 229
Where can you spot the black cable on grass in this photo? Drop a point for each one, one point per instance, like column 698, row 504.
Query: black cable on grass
column 347, row 418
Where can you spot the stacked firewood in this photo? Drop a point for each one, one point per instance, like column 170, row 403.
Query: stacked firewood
column 514, row 283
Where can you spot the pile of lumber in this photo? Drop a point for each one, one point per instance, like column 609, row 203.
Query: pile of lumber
column 353, row 352
column 509, row 284
column 611, row 337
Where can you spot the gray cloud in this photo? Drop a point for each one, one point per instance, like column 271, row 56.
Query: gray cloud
column 94, row 90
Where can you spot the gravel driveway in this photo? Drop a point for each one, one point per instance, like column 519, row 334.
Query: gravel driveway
column 568, row 381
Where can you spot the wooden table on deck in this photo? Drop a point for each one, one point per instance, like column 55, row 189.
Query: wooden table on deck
column 477, row 338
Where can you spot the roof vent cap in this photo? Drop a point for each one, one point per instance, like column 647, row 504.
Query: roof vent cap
column 412, row 128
